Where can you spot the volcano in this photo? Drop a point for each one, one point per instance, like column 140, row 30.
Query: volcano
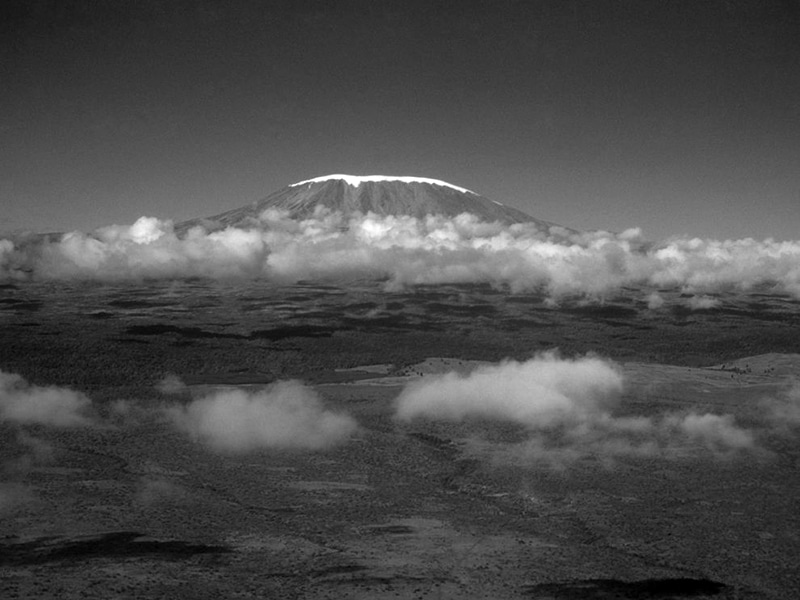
column 382, row 195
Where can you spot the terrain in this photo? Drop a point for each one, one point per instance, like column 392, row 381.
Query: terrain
column 130, row 507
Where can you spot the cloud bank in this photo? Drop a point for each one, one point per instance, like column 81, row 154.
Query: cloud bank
column 284, row 415
column 171, row 385
column 542, row 392
column 567, row 407
column 23, row 403
column 407, row 251
column 783, row 410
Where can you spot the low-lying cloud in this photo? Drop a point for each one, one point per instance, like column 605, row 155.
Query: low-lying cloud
column 542, row 392
column 284, row 415
column 171, row 385
column 567, row 408
column 703, row 302
column 23, row 403
column 407, row 251
column 783, row 410
column 610, row 439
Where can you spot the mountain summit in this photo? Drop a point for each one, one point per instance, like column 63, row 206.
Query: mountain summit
column 383, row 195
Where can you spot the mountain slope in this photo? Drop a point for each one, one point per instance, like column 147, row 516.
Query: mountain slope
column 410, row 196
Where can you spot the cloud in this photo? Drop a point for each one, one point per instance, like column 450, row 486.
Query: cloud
column 567, row 408
column 284, row 415
column 171, row 385
column 542, row 392
column 609, row 439
column 54, row 406
column 716, row 432
column 655, row 301
column 783, row 410
column 407, row 251
column 703, row 302
column 121, row 413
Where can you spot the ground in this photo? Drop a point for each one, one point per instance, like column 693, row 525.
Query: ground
column 133, row 508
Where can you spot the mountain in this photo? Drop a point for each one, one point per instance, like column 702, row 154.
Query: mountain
column 382, row 195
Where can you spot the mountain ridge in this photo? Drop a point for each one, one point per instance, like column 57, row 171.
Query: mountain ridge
column 416, row 197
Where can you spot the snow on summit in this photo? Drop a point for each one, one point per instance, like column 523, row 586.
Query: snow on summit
column 356, row 180
column 382, row 195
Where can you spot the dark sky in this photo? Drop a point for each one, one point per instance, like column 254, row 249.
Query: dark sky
column 678, row 117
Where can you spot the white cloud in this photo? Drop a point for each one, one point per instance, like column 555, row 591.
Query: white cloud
column 608, row 439
column 284, row 415
column 23, row 403
column 783, row 410
column 703, row 302
column 718, row 433
column 171, row 384
column 567, row 407
column 655, row 301
column 409, row 251
column 541, row 392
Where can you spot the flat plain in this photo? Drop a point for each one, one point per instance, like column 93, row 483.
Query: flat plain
column 130, row 507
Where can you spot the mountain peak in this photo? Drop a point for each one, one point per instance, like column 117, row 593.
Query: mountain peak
column 383, row 195
column 356, row 180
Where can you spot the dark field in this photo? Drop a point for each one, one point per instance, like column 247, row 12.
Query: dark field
column 132, row 508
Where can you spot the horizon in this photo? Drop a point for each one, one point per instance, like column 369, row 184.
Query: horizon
column 355, row 180
column 681, row 120
column 11, row 231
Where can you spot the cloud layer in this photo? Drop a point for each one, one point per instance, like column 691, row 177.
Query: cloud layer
column 409, row 251
column 23, row 403
column 284, row 415
column 542, row 392
column 783, row 410
column 567, row 407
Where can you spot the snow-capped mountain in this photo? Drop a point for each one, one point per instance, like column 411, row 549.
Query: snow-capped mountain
column 383, row 195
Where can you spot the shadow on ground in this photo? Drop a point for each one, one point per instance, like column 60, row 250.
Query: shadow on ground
column 117, row 544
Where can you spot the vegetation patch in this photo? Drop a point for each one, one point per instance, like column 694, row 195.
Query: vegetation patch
column 189, row 332
column 645, row 589
column 117, row 544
